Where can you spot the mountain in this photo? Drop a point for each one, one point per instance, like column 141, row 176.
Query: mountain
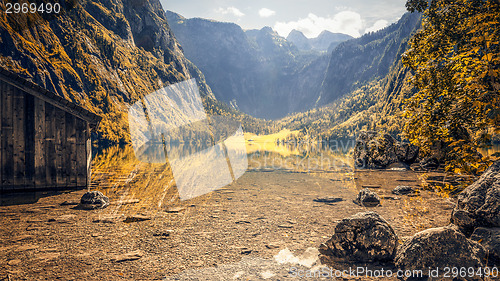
column 299, row 39
column 268, row 76
column 257, row 71
column 356, row 62
column 326, row 40
column 368, row 95
column 101, row 54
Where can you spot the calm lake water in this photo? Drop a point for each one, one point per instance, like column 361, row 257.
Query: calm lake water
column 121, row 176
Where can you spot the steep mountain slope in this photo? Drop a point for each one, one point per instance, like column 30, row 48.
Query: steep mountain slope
column 258, row 71
column 374, row 104
column 378, row 105
column 356, row 62
column 102, row 54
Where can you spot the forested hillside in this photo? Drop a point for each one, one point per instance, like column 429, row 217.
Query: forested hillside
column 372, row 67
column 355, row 63
column 434, row 84
column 377, row 105
column 103, row 55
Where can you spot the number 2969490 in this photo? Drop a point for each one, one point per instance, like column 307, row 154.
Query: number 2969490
column 32, row 8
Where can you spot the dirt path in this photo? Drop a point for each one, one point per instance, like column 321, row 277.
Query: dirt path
column 236, row 231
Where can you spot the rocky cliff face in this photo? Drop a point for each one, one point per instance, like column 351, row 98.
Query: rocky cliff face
column 268, row 76
column 101, row 54
column 355, row 62
column 258, row 71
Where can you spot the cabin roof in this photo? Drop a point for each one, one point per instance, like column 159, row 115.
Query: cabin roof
column 48, row 96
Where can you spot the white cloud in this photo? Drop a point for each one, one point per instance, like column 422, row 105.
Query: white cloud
column 377, row 26
column 265, row 13
column 231, row 11
column 346, row 22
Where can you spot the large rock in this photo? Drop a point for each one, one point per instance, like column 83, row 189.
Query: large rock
column 367, row 198
column 93, row 200
column 479, row 204
column 364, row 237
column 377, row 151
column 406, row 152
column 439, row 248
column 490, row 239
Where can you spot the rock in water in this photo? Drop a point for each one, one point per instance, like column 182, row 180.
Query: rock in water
column 479, row 204
column 403, row 190
column 93, row 200
column 367, row 198
column 490, row 239
column 378, row 151
column 364, row 237
column 439, row 248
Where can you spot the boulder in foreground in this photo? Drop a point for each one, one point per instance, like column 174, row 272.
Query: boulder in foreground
column 439, row 248
column 479, row 204
column 364, row 237
column 367, row 198
column 93, row 200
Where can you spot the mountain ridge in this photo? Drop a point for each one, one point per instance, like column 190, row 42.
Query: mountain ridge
column 258, row 71
column 358, row 61
column 377, row 104
column 104, row 56
column 326, row 41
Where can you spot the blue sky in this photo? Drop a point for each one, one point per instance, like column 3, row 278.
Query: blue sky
column 353, row 17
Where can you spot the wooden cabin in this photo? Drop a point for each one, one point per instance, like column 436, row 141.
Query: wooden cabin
column 45, row 139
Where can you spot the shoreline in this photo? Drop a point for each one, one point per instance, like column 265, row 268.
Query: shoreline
column 257, row 216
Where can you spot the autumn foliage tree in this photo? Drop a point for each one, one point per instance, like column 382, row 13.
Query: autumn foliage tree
column 455, row 59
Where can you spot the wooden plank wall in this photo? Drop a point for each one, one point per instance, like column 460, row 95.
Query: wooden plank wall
column 81, row 154
column 19, row 138
column 40, row 165
column 7, row 136
column 29, row 147
column 41, row 146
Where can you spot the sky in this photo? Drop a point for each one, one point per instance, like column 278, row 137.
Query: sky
column 353, row 17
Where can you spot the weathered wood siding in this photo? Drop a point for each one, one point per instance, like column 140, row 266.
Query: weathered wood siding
column 41, row 145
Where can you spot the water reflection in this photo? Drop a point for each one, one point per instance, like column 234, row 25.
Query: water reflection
column 121, row 176
column 310, row 157
column 124, row 178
